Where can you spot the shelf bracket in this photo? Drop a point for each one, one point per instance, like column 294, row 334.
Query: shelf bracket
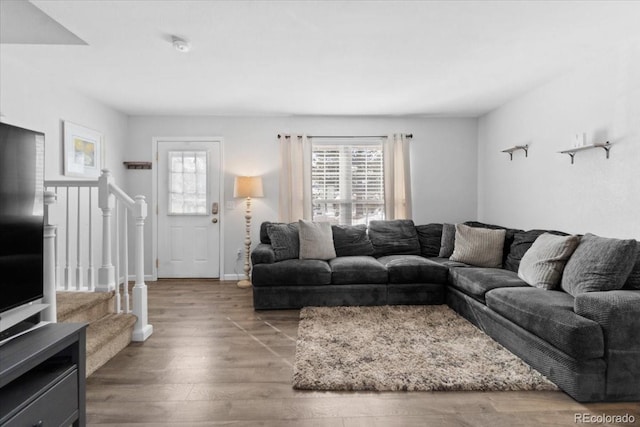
column 606, row 147
column 510, row 151
column 572, row 155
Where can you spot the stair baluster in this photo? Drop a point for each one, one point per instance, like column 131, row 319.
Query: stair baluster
column 78, row 243
column 67, row 230
column 117, row 265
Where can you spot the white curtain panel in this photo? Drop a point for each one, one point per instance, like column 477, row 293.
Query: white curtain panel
column 397, row 177
column 295, row 178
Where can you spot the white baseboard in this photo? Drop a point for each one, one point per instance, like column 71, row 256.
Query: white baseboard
column 147, row 278
column 150, row 278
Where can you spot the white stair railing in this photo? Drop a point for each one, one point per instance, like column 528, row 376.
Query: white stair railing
column 77, row 239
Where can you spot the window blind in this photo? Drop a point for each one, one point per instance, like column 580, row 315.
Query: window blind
column 347, row 182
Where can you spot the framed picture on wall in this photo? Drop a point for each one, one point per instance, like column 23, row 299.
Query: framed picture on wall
column 83, row 155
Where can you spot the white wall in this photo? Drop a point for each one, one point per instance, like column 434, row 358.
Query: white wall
column 601, row 98
column 443, row 152
column 31, row 100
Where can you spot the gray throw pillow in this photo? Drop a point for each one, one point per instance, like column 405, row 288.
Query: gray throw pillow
column 542, row 265
column 351, row 240
column 633, row 281
column 522, row 241
column 448, row 240
column 508, row 237
column 598, row 264
column 394, row 237
column 429, row 236
column 481, row 247
column 316, row 240
column 284, row 240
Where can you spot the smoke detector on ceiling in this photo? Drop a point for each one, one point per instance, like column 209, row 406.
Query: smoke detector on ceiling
column 180, row 45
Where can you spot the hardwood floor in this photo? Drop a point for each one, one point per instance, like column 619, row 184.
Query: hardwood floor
column 212, row 360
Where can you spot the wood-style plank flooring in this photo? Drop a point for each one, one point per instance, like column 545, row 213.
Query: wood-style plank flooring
column 212, row 360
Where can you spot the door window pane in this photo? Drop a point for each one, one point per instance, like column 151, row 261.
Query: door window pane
column 187, row 183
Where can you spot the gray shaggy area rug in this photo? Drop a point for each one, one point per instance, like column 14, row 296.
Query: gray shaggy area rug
column 426, row 348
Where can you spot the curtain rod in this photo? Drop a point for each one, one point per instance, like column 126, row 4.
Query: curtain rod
column 409, row 135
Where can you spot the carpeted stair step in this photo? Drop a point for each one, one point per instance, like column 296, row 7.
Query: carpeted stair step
column 106, row 337
column 75, row 307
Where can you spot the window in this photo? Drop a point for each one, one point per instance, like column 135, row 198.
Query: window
column 187, row 183
column 347, row 182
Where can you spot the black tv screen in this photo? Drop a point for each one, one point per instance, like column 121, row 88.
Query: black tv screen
column 21, row 216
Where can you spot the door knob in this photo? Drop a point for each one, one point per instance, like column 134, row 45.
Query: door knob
column 214, row 220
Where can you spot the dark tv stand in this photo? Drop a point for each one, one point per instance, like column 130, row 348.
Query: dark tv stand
column 42, row 377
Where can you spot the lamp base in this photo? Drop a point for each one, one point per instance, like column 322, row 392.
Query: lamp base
column 244, row 283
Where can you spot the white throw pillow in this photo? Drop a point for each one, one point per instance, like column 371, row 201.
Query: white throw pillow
column 542, row 265
column 316, row 240
column 481, row 247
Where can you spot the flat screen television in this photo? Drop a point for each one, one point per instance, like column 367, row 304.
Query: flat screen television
column 21, row 226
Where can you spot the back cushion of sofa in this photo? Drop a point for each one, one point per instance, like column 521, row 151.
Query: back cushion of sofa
column 285, row 240
column 351, row 240
column 264, row 232
column 429, row 236
column 522, row 241
column 394, row 237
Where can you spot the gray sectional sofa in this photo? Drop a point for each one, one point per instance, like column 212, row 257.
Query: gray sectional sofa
column 586, row 341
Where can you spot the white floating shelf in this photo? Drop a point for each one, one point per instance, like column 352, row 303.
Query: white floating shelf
column 572, row 151
column 510, row 150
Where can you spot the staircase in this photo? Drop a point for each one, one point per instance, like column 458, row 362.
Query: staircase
column 107, row 333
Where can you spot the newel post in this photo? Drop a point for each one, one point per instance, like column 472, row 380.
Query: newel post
column 106, row 272
column 141, row 330
column 49, row 291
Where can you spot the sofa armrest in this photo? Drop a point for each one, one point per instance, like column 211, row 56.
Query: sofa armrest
column 618, row 313
column 263, row 254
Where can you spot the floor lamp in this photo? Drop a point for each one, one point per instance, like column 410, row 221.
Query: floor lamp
column 248, row 187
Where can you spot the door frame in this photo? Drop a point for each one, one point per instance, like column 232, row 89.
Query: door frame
column 154, row 195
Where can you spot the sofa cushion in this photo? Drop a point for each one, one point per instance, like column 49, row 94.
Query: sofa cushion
column 550, row 316
column 447, row 241
column 633, row 281
column 542, row 265
column 292, row 272
column 264, row 233
column 429, row 236
column 316, row 240
column 285, row 240
column 477, row 281
column 413, row 269
column 481, row 247
column 509, row 236
column 350, row 240
column 598, row 264
column 522, row 241
column 349, row 270
column 396, row 237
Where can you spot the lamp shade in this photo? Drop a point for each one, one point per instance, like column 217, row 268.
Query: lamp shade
column 248, row 186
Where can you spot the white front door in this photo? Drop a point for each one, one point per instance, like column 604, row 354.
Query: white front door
column 188, row 209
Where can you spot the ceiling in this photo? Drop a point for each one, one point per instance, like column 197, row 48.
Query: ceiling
column 433, row 58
